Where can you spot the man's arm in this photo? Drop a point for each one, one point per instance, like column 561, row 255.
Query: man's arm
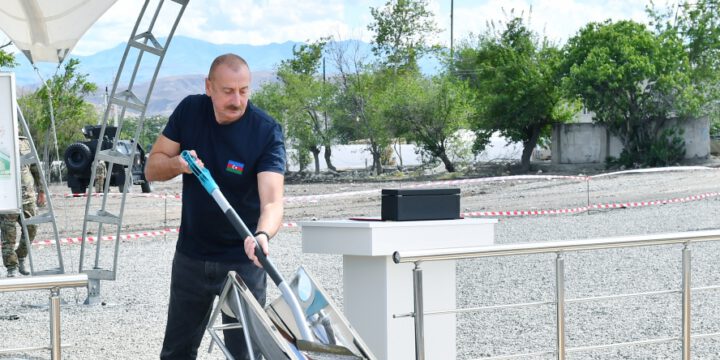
column 270, row 189
column 165, row 162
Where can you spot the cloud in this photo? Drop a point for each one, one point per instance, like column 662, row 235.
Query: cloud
column 265, row 21
column 114, row 27
column 557, row 19
column 275, row 21
column 253, row 22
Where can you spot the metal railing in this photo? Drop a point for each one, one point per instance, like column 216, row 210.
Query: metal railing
column 560, row 248
column 49, row 282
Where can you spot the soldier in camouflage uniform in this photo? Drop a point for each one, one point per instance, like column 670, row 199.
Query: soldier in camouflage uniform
column 100, row 174
column 14, row 260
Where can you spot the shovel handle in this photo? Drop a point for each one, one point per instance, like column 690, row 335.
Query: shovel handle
column 209, row 184
column 266, row 263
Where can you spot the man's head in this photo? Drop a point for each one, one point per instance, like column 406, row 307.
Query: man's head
column 228, row 85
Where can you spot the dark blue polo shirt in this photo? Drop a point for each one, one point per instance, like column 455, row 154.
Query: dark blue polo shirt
column 234, row 154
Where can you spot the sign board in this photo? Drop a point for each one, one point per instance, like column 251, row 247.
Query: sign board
column 10, row 200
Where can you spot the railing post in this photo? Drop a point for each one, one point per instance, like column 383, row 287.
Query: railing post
column 686, row 318
column 419, row 314
column 560, row 299
column 55, row 349
column 165, row 223
column 587, row 181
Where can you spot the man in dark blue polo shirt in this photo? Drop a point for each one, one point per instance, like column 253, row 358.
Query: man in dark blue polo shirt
column 243, row 149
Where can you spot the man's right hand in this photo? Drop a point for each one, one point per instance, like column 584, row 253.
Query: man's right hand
column 185, row 167
column 165, row 162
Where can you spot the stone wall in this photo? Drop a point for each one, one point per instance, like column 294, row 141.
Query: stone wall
column 587, row 143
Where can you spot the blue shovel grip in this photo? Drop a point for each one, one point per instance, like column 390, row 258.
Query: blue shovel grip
column 201, row 173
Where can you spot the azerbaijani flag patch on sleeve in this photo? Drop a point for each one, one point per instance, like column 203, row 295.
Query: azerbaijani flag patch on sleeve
column 235, row 167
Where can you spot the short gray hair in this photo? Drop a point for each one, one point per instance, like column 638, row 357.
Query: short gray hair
column 229, row 59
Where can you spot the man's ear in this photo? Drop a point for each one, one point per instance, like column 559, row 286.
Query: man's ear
column 208, row 84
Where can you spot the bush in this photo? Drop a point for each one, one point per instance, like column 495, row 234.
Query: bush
column 715, row 128
column 667, row 149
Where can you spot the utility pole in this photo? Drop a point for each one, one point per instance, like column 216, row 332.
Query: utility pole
column 324, row 80
column 452, row 54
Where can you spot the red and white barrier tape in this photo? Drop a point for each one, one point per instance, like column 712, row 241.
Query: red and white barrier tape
column 316, row 198
column 591, row 207
column 430, row 184
column 525, row 212
column 154, row 233
column 653, row 170
column 92, row 239
column 140, row 235
column 157, row 196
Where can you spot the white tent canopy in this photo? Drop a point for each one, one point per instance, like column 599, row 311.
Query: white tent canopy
column 47, row 30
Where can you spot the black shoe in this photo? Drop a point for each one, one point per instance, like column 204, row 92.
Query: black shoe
column 12, row 272
column 21, row 267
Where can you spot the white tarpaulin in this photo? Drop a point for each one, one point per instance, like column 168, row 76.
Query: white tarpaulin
column 46, row 30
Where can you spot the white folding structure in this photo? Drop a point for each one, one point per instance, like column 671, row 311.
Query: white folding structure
column 47, row 30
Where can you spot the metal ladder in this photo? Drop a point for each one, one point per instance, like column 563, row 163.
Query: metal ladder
column 39, row 218
column 139, row 43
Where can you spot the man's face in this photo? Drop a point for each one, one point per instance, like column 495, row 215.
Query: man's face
column 229, row 90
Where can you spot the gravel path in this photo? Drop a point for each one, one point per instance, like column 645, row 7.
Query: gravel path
column 131, row 322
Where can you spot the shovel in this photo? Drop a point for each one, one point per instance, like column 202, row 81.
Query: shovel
column 212, row 188
column 310, row 348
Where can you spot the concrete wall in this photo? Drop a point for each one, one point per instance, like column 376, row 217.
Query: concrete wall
column 583, row 143
column 697, row 138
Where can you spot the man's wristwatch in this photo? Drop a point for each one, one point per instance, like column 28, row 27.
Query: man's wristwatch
column 260, row 232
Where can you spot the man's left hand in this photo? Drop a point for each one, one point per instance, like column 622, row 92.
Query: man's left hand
column 41, row 199
column 250, row 248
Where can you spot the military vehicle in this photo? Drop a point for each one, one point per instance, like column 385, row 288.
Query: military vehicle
column 79, row 156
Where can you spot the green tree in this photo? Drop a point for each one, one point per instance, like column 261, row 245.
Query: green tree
column 361, row 100
column 6, row 59
column 518, row 83
column 307, row 98
column 634, row 82
column 275, row 100
column 402, row 29
column 152, row 127
column 271, row 98
column 431, row 111
column 697, row 26
column 72, row 112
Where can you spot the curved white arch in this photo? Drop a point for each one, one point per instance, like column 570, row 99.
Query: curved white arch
column 47, row 30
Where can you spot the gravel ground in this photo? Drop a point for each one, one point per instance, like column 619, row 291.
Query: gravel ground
column 130, row 323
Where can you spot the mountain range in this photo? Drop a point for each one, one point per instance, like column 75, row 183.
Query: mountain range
column 185, row 56
column 182, row 73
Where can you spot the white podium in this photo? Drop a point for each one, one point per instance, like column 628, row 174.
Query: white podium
column 375, row 288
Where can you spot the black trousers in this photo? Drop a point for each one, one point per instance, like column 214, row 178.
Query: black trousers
column 193, row 287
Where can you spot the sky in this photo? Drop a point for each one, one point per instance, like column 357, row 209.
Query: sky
column 260, row 22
